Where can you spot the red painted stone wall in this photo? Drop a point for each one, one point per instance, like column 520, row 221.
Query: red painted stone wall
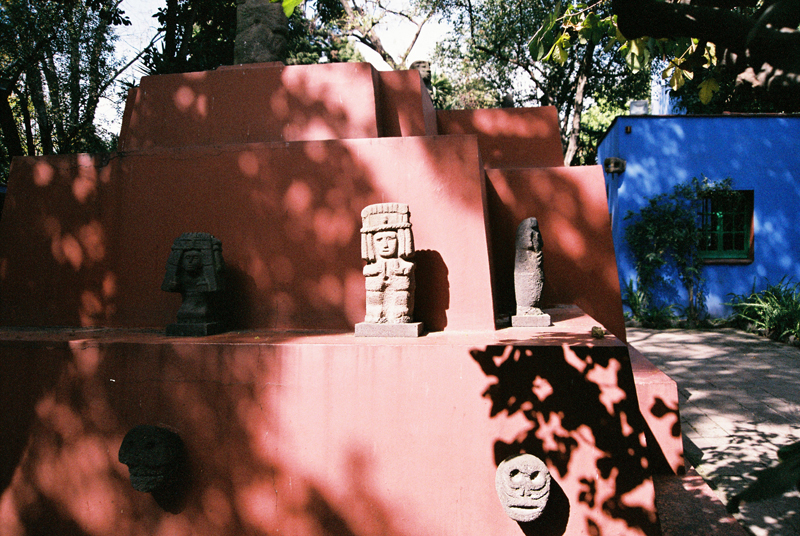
column 312, row 432
column 320, row 435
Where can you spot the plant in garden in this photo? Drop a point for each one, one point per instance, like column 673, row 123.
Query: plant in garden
column 665, row 234
column 774, row 311
column 649, row 316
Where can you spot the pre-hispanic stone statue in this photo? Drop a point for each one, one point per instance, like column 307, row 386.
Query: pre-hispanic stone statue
column 387, row 245
column 155, row 457
column 195, row 269
column 523, row 486
column 529, row 276
column 424, row 68
column 261, row 32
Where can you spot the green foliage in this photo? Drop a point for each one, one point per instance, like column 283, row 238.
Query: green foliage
column 664, row 235
column 311, row 41
column 728, row 97
column 692, row 66
column 56, row 63
column 774, row 311
column 595, row 121
column 642, row 311
column 499, row 47
column 199, row 35
column 442, row 91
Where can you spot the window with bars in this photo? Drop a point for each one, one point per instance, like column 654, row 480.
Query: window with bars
column 726, row 222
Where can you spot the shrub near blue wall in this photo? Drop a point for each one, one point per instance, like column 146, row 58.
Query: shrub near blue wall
column 760, row 153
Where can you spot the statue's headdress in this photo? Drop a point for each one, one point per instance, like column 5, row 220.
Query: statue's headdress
column 386, row 217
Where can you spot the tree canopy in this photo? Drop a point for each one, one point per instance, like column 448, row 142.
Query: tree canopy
column 747, row 46
column 502, row 46
column 56, row 63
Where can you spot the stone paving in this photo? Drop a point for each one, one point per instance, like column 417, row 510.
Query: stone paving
column 739, row 401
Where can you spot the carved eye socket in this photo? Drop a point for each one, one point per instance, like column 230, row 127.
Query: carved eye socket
column 517, row 476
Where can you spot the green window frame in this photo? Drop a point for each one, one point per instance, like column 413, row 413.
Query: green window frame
column 726, row 227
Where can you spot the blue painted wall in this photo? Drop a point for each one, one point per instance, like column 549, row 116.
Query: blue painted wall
column 761, row 153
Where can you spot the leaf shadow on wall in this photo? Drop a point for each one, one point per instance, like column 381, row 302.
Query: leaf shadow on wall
column 558, row 392
column 219, row 398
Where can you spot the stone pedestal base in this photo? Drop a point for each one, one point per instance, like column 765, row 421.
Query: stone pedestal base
column 369, row 329
column 530, row 321
column 195, row 330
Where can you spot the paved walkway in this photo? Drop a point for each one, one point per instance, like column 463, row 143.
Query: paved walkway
column 739, row 401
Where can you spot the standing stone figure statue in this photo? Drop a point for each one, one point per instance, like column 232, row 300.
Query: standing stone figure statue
column 261, row 32
column 387, row 245
column 529, row 276
column 195, row 269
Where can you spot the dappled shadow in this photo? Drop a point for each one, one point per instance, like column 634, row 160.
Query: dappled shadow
column 584, row 423
column 220, row 399
column 288, row 214
column 757, row 151
column 21, row 389
column 578, row 253
column 54, row 252
column 739, row 403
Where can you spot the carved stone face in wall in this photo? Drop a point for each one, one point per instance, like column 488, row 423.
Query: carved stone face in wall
column 154, row 457
column 523, row 486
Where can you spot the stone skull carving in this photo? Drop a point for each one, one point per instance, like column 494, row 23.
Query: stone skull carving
column 154, row 456
column 523, row 486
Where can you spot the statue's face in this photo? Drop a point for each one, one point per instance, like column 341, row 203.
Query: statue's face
column 192, row 261
column 153, row 456
column 386, row 244
column 523, row 486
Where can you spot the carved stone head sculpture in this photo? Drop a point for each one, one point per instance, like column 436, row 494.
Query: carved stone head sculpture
column 195, row 269
column 528, row 236
column 523, row 486
column 155, row 458
column 386, row 245
column 528, row 273
column 261, row 32
column 424, row 68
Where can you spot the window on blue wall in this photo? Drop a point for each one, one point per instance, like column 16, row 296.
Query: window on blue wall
column 726, row 223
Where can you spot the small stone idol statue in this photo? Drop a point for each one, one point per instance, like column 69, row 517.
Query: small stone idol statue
column 523, row 487
column 196, row 270
column 387, row 245
column 529, row 276
column 261, row 32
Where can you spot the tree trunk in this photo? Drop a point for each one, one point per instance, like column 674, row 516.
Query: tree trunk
column 583, row 76
column 8, row 125
column 33, row 79
column 170, row 30
column 26, row 120
column 56, row 102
